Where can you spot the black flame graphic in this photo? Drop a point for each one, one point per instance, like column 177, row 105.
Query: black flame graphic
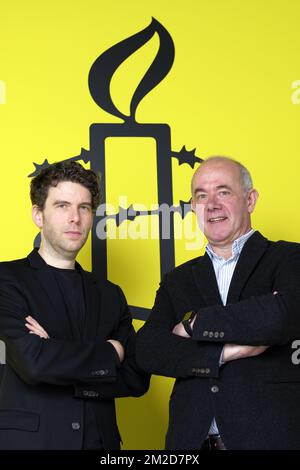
column 107, row 63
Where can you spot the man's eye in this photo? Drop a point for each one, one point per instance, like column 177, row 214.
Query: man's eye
column 201, row 197
column 61, row 205
column 224, row 193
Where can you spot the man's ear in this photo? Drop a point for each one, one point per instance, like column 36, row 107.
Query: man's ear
column 37, row 216
column 251, row 200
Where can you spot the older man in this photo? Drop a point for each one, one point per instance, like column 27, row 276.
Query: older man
column 223, row 325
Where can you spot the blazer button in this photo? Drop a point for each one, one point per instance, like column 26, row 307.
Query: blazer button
column 99, row 372
column 75, row 426
column 210, row 334
column 215, row 389
column 216, row 334
column 222, row 334
column 90, row 393
column 205, row 333
column 207, row 371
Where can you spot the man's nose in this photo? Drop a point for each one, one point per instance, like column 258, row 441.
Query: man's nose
column 213, row 203
column 74, row 215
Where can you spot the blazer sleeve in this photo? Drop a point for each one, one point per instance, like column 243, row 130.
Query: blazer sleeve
column 161, row 352
column 271, row 319
column 130, row 380
column 52, row 361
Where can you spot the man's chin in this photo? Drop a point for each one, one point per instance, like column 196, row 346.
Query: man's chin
column 217, row 236
column 73, row 248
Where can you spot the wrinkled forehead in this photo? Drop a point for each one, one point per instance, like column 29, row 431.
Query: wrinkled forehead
column 215, row 174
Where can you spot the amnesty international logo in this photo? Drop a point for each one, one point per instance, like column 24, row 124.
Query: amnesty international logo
column 128, row 136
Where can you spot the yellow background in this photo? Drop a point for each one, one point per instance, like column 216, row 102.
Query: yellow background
column 229, row 92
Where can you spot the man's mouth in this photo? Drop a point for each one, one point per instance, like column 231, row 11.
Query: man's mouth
column 73, row 233
column 215, row 220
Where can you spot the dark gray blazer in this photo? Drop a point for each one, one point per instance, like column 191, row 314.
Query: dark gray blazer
column 45, row 382
column 256, row 401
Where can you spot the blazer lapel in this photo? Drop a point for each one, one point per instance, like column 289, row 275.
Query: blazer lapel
column 251, row 253
column 205, row 279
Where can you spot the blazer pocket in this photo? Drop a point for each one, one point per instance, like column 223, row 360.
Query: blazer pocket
column 19, row 419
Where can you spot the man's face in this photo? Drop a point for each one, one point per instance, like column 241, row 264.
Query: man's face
column 66, row 219
column 222, row 208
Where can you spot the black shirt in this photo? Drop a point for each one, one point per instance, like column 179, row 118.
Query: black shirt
column 70, row 284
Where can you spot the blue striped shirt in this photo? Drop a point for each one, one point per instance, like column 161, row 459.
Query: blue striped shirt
column 224, row 269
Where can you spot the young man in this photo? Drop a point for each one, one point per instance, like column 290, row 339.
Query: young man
column 237, row 386
column 69, row 339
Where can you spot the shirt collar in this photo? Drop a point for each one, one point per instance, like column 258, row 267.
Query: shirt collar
column 237, row 247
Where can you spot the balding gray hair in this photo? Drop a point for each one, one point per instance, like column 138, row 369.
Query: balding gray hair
column 246, row 180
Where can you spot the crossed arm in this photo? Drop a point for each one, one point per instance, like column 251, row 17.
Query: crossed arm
column 248, row 327
column 35, row 328
column 230, row 352
column 88, row 364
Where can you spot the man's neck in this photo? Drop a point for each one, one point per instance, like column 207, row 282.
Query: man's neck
column 225, row 251
column 222, row 251
column 55, row 260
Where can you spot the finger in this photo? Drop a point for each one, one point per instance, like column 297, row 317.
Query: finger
column 37, row 334
column 38, row 331
column 32, row 321
column 32, row 327
column 34, row 324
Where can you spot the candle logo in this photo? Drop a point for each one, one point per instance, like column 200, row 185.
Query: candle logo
column 103, row 136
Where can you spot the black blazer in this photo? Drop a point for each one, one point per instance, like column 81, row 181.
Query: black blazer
column 256, row 401
column 45, row 382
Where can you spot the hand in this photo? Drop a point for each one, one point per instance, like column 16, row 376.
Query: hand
column 118, row 347
column 237, row 351
column 181, row 331
column 35, row 328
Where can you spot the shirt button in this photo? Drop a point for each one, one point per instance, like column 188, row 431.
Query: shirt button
column 214, row 388
column 75, row 426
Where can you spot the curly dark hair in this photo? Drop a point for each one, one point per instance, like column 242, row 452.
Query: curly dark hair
column 64, row 171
